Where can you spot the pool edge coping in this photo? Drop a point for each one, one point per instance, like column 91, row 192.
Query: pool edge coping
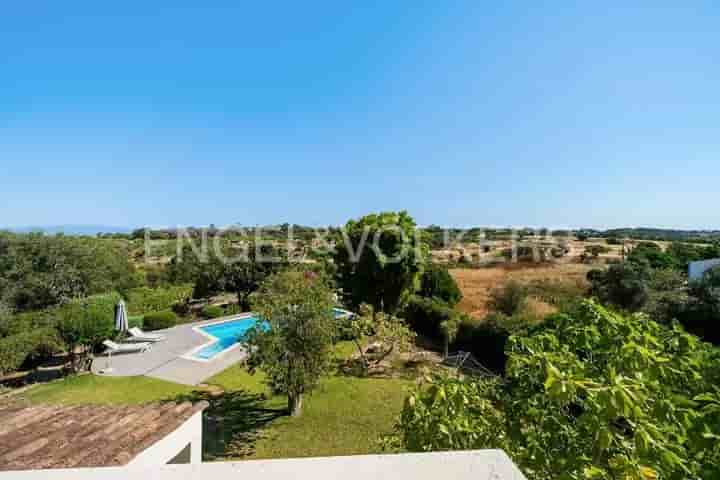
column 213, row 339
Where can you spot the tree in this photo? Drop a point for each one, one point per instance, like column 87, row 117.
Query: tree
column 385, row 333
column 379, row 260
column 244, row 277
column 651, row 254
column 293, row 343
column 227, row 272
column 436, row 282
column 595, row 395
column 625, row 285
column 84, row 324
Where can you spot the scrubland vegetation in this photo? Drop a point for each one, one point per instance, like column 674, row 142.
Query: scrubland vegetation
column 604, row 355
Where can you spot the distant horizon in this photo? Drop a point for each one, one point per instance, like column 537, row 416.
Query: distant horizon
column 94, row 229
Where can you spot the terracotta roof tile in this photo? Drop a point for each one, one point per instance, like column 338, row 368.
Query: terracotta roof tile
column 45, row 436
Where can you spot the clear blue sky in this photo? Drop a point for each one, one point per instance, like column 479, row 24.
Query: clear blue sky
column 463, row 113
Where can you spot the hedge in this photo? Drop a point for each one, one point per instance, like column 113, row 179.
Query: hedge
column 136, row 321
column 212, row 311
column 160, row 320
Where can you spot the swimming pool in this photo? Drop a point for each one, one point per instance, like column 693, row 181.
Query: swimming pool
column 226, row 334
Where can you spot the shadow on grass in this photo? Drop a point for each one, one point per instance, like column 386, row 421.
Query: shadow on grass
column 233, row 422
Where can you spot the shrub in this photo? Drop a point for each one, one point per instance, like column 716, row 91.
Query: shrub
column 509, row 299
column 558, row 293
column 625, row 285
column 160, row 320
column 143, row 300
column 26, row 347
column 212, row 311
column 436, row 282
column 233, row 309
column 486, row 340
column 426, row 315
column 135, row 321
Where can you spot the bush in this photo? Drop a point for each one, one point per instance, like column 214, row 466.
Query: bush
column 135, row 321
column 558, row 293
column 212, row 311
column 160, row 320
column 436, row 282
column 485, row 340
column 509, row 299
column 21, row 348
column 625, row 285
column 233, row 309
column 426, row 315
column 143, row 300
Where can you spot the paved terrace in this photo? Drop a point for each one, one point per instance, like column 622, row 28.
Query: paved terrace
column 164, row 360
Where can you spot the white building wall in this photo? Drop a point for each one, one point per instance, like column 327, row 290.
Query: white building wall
column 161, row 452
column 696, row 270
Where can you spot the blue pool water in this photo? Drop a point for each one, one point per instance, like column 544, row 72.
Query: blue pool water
column 228, row 333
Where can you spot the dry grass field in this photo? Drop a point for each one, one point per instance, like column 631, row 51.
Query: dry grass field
column 476, row 284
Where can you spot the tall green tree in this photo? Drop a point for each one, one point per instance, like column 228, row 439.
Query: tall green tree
column 379, row 260
column 293, row 344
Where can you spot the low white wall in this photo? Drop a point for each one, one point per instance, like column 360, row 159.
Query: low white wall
column 696, row 270
column 469, row 465
column 163, row 451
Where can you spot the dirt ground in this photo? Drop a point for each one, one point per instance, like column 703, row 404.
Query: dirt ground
column 476, row 283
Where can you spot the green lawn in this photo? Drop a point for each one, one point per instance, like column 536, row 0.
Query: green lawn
column 344, row 416
column 94, row 389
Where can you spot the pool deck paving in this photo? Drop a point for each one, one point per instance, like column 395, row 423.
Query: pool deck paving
column 165, row 359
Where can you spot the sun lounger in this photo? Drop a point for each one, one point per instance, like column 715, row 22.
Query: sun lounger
column 126, row 347
column 137, row 335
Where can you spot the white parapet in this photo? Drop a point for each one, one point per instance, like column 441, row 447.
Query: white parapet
column 468, row 465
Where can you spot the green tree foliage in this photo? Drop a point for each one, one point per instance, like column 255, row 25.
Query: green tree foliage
column 235, row 270
column 436, row 282
column 293, row 344
column 244, row 277
column 84, row 324
column 379, row 259
column 595, row 395
column 385, row 333
column 38, row 271
column 651, row 254
column 625, row 285
column 143, row 300
column 684, row 253
column 433, row 318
